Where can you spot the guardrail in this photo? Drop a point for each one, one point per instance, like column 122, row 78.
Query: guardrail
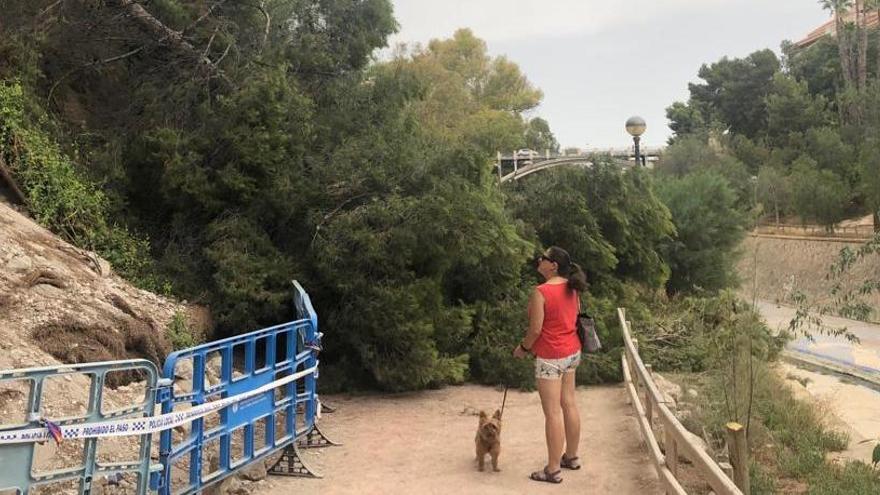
column 853, row 231
column 648, row 402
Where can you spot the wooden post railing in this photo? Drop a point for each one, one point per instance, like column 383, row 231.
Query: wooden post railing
column 738, row 450
column 676, row 441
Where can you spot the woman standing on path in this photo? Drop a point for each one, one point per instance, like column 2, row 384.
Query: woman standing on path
column 552, row 338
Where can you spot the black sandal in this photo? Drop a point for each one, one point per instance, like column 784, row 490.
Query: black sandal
column 547, row 476
column 572, row 463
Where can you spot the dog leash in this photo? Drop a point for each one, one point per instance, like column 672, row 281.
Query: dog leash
column 506, row 386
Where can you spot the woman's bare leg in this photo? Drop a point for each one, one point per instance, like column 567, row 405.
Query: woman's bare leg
column 550, row 391
column 570, row 415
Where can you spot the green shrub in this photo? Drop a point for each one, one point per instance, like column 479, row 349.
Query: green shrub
column 497, row 330
column 786, row 438
column 179, row 332
column 58, row 196
column 683, row 332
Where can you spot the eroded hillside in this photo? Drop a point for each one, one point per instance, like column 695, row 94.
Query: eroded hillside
column 59, row 303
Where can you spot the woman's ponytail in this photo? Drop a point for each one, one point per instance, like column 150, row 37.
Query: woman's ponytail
column 577, row 279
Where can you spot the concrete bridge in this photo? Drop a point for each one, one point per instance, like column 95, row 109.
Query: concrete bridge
column 522, row 163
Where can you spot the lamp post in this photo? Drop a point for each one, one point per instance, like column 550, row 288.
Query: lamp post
column 636, row 126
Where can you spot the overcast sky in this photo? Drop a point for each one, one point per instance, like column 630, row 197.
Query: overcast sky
column 598, row 62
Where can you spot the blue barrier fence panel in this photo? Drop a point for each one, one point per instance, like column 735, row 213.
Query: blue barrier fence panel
column 215, row 446
column 28, row 400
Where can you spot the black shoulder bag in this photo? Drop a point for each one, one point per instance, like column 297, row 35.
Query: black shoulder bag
column 586, row 330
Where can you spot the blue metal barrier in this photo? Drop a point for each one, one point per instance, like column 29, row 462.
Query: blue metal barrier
column 19, row 469
column 217, row 445
column 266, row 381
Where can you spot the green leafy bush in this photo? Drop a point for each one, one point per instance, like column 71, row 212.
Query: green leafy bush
column 179, row 332
column 697, row 333
column 58, row 196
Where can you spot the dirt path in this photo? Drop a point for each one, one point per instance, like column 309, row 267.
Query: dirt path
column 423, row 443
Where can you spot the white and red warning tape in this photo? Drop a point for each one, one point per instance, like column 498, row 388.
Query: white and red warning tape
column 142, row 426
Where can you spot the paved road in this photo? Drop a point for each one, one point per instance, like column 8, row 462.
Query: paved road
column 863, row 357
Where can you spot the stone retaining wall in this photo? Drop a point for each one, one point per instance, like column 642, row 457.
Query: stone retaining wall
column 790, row 264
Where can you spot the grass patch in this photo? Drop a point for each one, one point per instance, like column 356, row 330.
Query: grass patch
column 719, row 348
column 787, row 440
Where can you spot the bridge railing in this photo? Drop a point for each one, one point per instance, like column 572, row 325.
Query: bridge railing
column 649, row 403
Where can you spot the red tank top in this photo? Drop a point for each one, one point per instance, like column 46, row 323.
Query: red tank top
column 558, row 335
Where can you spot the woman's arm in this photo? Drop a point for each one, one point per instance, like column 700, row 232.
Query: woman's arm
column 536, row 321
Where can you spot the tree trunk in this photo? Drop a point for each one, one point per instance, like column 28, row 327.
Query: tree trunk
column 843, row 47
column 174, row 38
column 862, row 32
column 10, row 181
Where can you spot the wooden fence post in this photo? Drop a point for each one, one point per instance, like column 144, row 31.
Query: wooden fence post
column 649, row 404
column 632, row 364
column 738, row 450
column 671, row 449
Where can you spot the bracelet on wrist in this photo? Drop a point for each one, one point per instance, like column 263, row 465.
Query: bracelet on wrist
column 521, row 346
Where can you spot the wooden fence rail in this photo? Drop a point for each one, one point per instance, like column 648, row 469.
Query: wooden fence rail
column 648, row 402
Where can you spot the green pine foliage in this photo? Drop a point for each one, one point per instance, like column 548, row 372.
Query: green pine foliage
column 271, row 146
column 709, row 227
column 802, row 117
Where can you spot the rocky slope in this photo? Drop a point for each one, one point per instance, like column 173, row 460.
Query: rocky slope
column 59, row 303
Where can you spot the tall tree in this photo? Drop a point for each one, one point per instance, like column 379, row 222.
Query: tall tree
column 468, row 94
column 792, row 111
column 773, row 190
column 709, row 227
column 819, row 195
column 539, row 137
column 732, row 95
column 818, row 66
column 839, row 9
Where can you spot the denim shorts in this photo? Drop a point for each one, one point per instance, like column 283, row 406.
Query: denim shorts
column 554, row 368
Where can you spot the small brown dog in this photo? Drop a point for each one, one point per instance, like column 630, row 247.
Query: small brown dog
column 488, row 439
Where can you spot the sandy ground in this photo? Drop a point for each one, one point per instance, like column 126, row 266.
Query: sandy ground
column 423, row 443
column 853, row 407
